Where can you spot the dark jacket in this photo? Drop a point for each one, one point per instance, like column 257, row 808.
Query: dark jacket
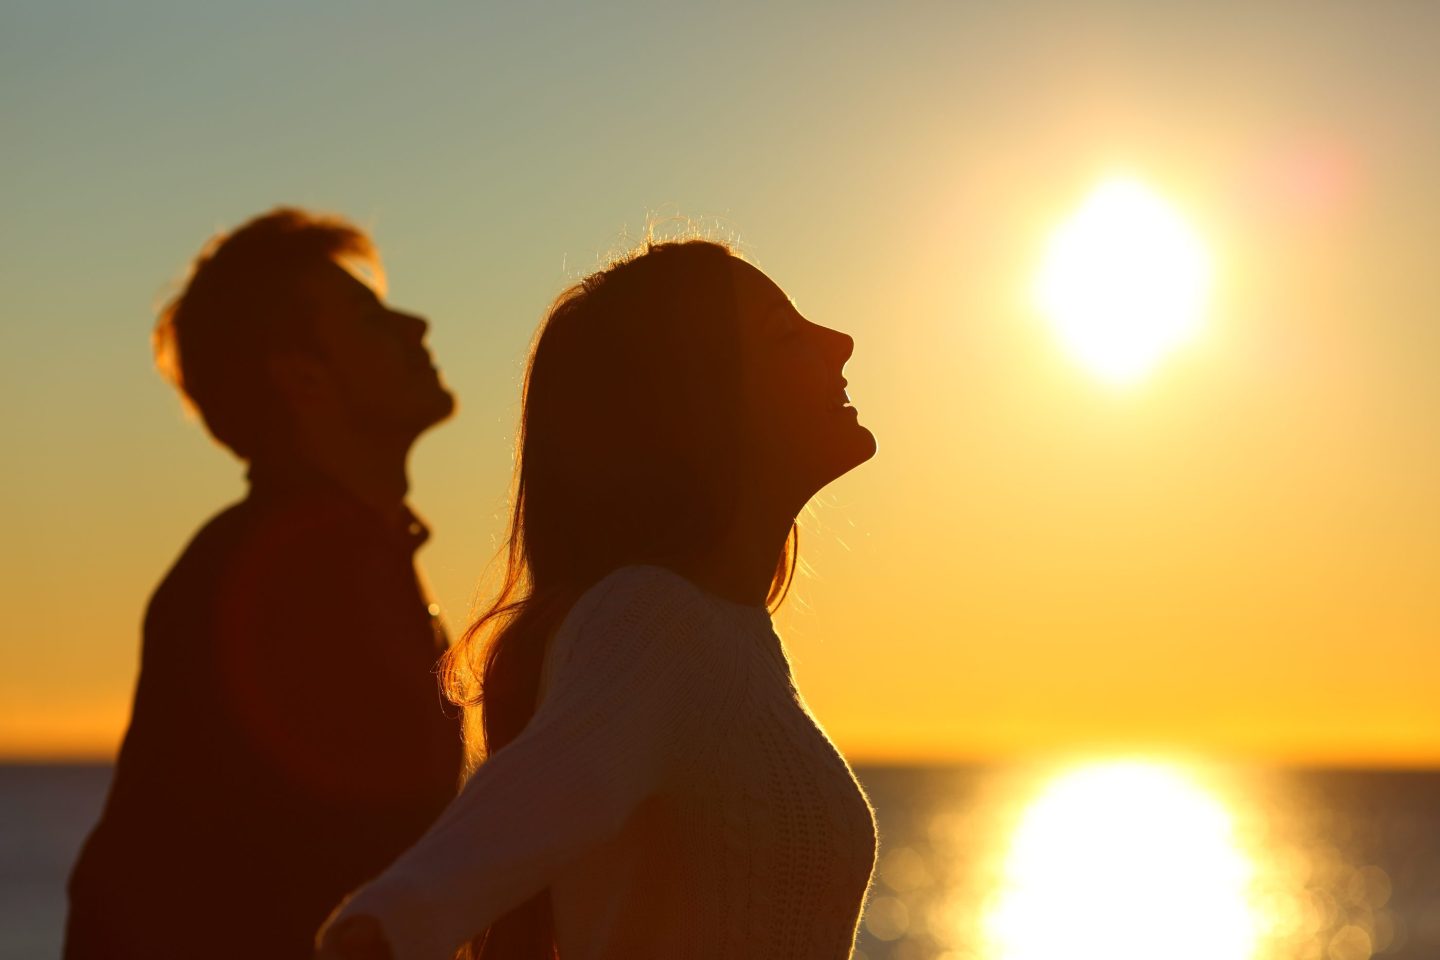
column 287, row 741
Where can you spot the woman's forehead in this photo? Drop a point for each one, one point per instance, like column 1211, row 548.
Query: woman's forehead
column 752, row 284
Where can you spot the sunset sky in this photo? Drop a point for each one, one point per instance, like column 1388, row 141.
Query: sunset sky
column 1236, row 555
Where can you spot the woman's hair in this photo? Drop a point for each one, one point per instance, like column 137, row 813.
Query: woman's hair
column 628, row 452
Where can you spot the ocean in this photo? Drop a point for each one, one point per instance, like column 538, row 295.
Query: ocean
column 1113, row 859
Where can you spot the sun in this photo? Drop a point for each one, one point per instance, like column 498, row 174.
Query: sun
column 1124, row 281
column 1127, row 860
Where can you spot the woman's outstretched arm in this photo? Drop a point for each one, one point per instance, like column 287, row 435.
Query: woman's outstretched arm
column 640, row 680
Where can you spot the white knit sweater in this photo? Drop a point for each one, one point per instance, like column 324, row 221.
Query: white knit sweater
column 672, row 790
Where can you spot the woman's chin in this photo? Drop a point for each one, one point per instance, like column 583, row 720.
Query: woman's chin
column 869, row 444
column 855, row 447
column 859, row 446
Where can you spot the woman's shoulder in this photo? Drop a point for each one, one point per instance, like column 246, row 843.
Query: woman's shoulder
column 648, row 577
column 642, row 624
column 638, row 594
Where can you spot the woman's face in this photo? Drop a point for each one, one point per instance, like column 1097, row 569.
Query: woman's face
column 799, row 430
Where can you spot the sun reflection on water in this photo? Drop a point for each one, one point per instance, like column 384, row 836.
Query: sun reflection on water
column 1125, row 861
column 1131, row 859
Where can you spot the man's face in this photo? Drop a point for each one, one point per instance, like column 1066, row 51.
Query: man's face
column 375, row 359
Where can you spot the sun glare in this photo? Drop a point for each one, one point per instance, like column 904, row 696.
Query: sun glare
column 1124, row 861
column 1124, row 281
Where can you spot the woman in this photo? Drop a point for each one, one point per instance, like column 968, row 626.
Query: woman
column 654, row 786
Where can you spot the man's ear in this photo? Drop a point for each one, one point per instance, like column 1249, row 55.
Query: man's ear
column 301, row 379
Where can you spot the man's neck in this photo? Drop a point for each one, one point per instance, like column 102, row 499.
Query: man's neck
column 373, row 472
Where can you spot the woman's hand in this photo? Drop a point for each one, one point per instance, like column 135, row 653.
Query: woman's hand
column 355, row 938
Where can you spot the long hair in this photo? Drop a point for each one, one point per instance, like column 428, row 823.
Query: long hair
column 628, row 452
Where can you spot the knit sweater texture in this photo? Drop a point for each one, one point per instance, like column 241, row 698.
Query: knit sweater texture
column 672, row 790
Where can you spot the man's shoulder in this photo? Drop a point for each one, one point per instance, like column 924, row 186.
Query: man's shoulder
column 210, row 544
column 255, row 540
column 266, row 526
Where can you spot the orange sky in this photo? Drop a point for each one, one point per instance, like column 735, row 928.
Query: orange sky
column 1237, row 556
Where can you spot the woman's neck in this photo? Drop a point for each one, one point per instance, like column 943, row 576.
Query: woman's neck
column 742, row 566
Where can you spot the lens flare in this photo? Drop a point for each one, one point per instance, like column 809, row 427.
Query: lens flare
column 1124, row 861
column 1124, row 281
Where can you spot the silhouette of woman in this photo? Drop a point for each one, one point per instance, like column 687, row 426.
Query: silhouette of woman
column 654, row 785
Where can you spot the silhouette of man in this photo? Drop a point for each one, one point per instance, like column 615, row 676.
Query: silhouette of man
column 288, row 739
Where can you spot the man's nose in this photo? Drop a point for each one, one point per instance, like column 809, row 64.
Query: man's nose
column 414, row 325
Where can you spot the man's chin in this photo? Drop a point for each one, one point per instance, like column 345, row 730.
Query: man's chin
column 420, row 417
column 439, row 406
column 446, row 406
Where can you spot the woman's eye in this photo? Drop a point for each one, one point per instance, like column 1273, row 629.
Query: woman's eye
column 783, row 324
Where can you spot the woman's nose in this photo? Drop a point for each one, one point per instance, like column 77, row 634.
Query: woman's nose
column 842, row 345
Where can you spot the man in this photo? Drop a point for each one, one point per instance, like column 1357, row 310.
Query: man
column 288, row 739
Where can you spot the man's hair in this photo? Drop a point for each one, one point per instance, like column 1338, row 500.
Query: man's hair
column 246, row 299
